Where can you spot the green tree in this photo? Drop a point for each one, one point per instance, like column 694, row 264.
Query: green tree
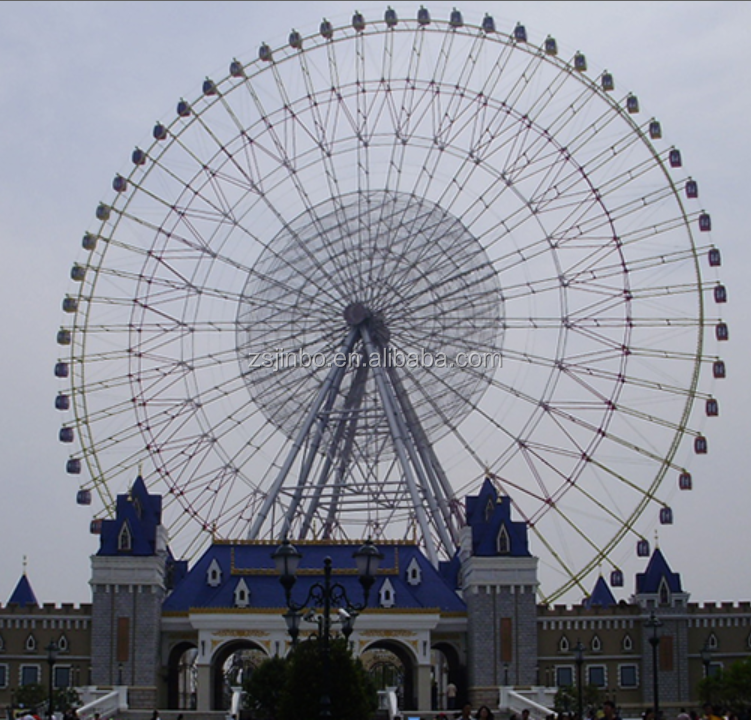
column 729, row 689
column 31, row 696
column 264, row 688
column 353, row 695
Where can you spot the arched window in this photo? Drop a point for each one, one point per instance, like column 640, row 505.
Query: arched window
column 125, row 539
column 664, row 592
column 503, row 542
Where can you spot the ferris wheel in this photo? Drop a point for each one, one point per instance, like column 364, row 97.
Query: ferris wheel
column 371, row 267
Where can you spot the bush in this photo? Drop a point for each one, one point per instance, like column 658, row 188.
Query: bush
column 288, row 689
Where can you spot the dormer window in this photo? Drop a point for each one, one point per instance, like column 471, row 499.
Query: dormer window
column 125, row 539
column 414, row 572
column 489, row 509
column 242, row 594
column 664, row 592
column 386, row 595
column 503, row 542
column 214, row 574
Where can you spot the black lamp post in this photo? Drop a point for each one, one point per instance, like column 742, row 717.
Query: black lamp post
column 52, row 651
column 706, row 658
column 579, row 659
column 654, row 623
column 324, row 595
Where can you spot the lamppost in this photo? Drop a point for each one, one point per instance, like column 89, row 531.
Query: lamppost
column 579, row 659
column 706, row 658
column 324, row 595
column 654, row 623
column 52, row 651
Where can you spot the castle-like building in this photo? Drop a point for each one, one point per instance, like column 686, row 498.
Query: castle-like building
column 179, row 637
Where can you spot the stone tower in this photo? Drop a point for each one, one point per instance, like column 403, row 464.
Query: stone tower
column 499, row 584
column 129, row 581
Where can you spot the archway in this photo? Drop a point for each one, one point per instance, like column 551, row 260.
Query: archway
column 229, row 667
column 182, row 681
column 388, row 662
column 448, row 669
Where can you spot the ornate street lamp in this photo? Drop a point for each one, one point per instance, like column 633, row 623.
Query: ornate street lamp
column 324, row 595
column 654, row 623
column 706, row 658
column 579, row 659
column 52, row 652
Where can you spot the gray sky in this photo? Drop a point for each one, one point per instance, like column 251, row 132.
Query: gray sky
column 83, row 83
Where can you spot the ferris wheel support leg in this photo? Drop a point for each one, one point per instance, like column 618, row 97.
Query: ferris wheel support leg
column 349, row 417
column 313, row 447
column 401, row 445
column 332, row 379
column 438, row 480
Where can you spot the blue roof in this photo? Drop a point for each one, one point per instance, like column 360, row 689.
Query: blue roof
column 601, row 595
column 251, row 562
column 142, row 513
column 649, row 581
column 489, row 513
column 23, row 594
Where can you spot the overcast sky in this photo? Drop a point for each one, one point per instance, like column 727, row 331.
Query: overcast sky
column 82, row 83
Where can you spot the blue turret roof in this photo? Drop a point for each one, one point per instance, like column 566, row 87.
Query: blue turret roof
column 141, row 514
column 489, row 516
column 23, row 594
column 406, row 577
column 601, row 595
column 649, row 581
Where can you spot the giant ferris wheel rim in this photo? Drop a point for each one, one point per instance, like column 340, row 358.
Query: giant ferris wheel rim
column 597, row 364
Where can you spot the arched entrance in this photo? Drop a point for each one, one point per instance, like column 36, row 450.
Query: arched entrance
column 391, row 664
column 182, row 682
column 447, row 669
column 229, row 667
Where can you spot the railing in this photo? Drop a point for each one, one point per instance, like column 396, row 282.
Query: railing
column 538, row 700
column 387, row 700
column 105, row 702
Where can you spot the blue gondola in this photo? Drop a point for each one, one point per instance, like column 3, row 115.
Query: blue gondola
column 684, row 481
column 326, row 29
column 236, row 69
column 138, row 157
column 88, row 242
column 73, row 466
column 358, row 22
column 718, row 369
column 62, row 402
